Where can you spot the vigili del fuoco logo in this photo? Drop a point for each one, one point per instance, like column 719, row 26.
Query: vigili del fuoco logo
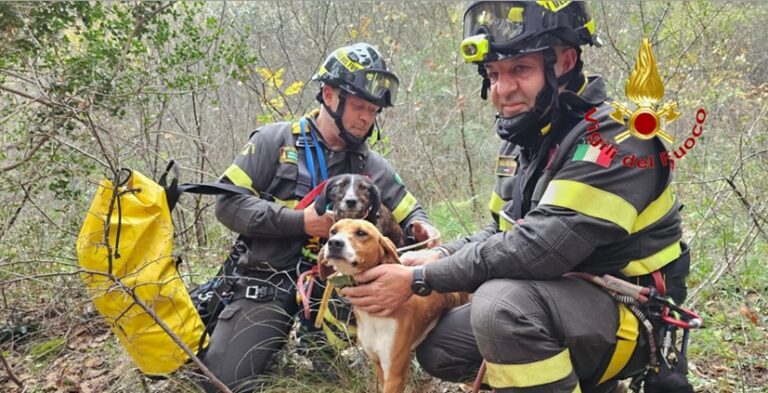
column 646, row 90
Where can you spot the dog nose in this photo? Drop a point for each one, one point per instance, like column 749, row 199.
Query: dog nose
column 350, row 203
column 335, row 244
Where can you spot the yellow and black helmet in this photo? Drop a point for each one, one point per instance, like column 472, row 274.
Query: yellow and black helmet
column 494, row 30
column 360, row 70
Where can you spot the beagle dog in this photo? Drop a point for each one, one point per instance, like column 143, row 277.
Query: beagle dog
column 355, row 246
column 356, row 196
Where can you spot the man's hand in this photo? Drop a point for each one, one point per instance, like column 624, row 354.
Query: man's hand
column 317, row 226
column 387, row 287
column 423, row 231
column 421, row 257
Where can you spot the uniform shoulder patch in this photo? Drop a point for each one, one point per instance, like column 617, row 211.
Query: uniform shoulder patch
column 506, row 166
column 288, row 154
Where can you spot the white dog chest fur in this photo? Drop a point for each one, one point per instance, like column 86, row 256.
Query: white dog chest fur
column 377, row 337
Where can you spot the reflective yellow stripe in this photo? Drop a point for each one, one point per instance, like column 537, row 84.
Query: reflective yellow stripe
column 505, row 223
column 654, row 262
column 405, row 207
column 531, row 374
column 656, row 210
column 496, row 203
column 625, row 345
column 578, row 388
column 590, row 201
column 239, row 178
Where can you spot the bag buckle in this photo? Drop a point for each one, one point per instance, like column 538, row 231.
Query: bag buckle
column 205, row 296
column 258, row 292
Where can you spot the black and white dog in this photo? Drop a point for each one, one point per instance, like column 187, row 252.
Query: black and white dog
column 356, row 196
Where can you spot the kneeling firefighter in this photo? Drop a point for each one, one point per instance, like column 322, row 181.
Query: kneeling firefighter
column 563, row 210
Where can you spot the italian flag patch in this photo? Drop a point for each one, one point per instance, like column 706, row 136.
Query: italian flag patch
column 594, row 154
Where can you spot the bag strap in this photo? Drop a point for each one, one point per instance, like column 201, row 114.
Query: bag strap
column 174, row 190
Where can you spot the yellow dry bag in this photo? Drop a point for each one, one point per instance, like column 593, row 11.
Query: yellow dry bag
column 138, row 263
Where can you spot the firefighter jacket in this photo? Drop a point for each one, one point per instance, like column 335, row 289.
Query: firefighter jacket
column 579, row 208
column 273, row 166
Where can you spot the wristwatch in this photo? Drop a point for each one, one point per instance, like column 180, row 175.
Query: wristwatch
column 419, row 286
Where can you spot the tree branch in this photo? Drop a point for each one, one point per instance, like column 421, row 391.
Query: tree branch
column 9, row 370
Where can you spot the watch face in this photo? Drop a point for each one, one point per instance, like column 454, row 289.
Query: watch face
column 421, row 288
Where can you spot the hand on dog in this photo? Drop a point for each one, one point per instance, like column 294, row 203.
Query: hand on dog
column 423, row 231
column 420, row 257
column 387, row 287
column 317, row 226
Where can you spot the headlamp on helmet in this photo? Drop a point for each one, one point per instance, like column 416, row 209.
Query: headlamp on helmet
column 475, row 48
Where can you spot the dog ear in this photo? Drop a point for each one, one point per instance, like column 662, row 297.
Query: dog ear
column 390, row 252
column 323, row 270
column 375, row 200
column 321, row 203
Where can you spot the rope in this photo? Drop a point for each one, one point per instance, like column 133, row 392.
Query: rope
column 305, row 292
column 416, row 245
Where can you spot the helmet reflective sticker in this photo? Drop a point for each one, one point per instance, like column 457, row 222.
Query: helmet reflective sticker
column 360, row 70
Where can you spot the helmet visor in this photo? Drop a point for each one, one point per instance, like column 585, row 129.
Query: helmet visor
column 379, row 86
column 501, row 21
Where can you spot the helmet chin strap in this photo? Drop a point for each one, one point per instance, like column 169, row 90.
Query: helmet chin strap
column 337, row 116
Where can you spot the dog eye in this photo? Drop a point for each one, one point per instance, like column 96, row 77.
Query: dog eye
column 361, row 233
column 333, row 231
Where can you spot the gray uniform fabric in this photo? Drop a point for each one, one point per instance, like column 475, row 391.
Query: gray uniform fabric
column 250, row 332
column 523, row 311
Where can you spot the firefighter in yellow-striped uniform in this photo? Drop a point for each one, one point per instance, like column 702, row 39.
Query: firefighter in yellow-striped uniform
column 560, row 205
column 280, row 164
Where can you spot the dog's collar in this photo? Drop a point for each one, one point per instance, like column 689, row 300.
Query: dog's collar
column 341, row 281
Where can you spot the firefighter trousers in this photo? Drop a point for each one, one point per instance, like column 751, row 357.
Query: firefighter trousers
column 535, row 336
column 249, row 331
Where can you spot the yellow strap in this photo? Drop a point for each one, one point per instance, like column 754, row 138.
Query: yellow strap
column 336, row 342
column 590, row 201
column 625, row 345
column 328, row 322
column 404, row 207
column 496, row 203
column 531, row 374
column 655, row 210
column 654, row 262
column 324, row 304
column 239, row 177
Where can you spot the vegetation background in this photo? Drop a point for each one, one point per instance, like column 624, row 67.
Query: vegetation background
column 88, row 87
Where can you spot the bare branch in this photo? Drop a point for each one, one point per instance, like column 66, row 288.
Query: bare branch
column 9, row 370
